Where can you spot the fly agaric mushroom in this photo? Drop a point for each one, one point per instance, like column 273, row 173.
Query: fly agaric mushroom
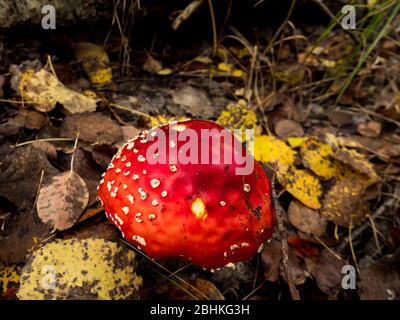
column 202, row 212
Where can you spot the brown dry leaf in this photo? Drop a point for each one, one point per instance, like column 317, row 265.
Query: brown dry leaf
column 306, row 219
column 345, row 203
column 194, row 101
column 44, row 89
column 326, row 269
column 371, row 129
column 102, row 154
column 271, row 257
column 29, row 119
column 152, row 65
column 130, row 132
column 48, row 148
column 76, row 269
column 86, row 168
column 358, row 162
column 95, row 62
column 22, row 231
column 92, row 127
column 62, row 201
column 20, row 173
column 316, row 156
column 285, row 129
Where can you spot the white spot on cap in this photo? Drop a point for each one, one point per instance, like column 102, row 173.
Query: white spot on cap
column 139, row 239
column 234, row 247
column 135, row 177
column 109, row 185
column 179, row 127
column 225, row 254
column 246, row 187
column 222, row 203
column 124, row 186
column 141, row 158
column 110, row 166
column 230, row 265
column 123, row 158
column 118, row 170
column 119, row 219
column 125, row 210
column 126, row 173
column 103, row 174
column 129, row 146
column 143, row 140
column 164, row 193
column 245, row 244
column 154, row 202
column 101, row 181
column 260, row 248
column 131, row 198
column 155, row 183
column 128, row 164
column 137, row 217
column 173, row 168
column 144, row 171
column 152, row 216
column 135, row 150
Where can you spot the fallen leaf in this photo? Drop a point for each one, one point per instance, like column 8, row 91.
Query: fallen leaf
column 285, row 129
column 306, row 219
column 95, row 62
column 92, row 269
column 23, row 230
column 86, row 168
column 358, row 162
column 9, row 280
column 103, row 153
column 152, row 65
column 238, row 116
column 45, row 90
column 20, row 173
column 370, row 129
column 48, row 149
column 326, row 270
column 302, row 186
column 92, row 127
column 194, row 101
column 317, row 156
column 233, row 277
column 61, row 202
column 345, row 203
column 29, row 119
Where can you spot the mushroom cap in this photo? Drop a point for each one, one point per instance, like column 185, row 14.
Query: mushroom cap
column 204, row 213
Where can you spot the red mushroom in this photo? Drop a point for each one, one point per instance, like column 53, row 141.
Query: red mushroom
column 205, row 213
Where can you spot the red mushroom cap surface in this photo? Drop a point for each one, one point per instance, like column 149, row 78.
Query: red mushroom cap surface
column 202, row 212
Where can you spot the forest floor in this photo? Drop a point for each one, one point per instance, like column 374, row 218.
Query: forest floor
column 70, row 100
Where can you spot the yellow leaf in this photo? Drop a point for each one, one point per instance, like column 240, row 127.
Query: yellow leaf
column 238, row 116
column 270, row 149
column 45, row 90
column 74, row 268
column 295, row 142
column 95, row 62
column 224, row 67
column 238, row 73
column 8, row 274
column 317, row 157
column 164, row 71
column 302, row 186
